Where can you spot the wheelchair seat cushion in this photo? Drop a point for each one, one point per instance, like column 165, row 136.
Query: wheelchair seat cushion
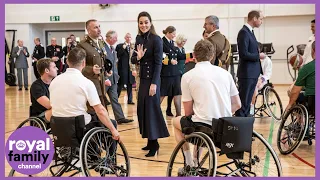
column 67, row 131
column 188, row 126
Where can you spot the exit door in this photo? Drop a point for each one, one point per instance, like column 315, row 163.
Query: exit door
column 62, row 36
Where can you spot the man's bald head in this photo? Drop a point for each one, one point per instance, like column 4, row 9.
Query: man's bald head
column 53, row 41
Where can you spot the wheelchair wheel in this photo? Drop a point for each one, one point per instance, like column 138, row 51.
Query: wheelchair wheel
column 102, row 156
column 273, row 103
column 259, row 106
column 56, row 168
column 292, row 129
column 263, row 160
column 199, row 145
column 33, row 121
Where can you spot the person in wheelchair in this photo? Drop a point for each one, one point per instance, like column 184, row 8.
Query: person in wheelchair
column 266, row 65
column 39, row 91
column 71, row 91
column 306, row 80
column 207, row 92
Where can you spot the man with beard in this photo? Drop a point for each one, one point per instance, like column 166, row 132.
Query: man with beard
column 95, row 58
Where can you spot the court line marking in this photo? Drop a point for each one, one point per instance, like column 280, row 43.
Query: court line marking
column 302, row 160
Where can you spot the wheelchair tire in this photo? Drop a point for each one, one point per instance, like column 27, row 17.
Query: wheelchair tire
column 34, row 121
column 11, row 79
column 302, row 133
column 269, row 105
column 270, row 150
column 84, row 153
column 211, row 171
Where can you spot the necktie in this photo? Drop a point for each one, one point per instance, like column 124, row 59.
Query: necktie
column 252, row 32
column 128, row 48
column 112, row 49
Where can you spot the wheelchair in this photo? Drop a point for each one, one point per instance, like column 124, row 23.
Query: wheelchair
column 241, row 152
column 36, row 121
column 84, row 150
column 297, row 125
column 270, row 104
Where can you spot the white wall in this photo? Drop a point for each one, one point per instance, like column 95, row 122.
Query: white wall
column 284, row 25
column 57, row 26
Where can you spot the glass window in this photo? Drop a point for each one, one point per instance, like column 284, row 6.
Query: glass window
column 63, row 42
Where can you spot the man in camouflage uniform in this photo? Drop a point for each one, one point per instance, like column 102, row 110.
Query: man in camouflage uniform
column 95, row 59
column 219, row 41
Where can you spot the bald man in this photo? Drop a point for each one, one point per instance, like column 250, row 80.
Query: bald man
column 20, row 53
column 55, row 52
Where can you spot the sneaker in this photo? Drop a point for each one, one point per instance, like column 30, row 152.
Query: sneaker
column 187, row 171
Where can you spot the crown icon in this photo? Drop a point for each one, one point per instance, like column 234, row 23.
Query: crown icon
column 21, row 145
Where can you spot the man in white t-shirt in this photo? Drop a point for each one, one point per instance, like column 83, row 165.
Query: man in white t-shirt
column 70, row 92
column 307, row 56
column 207, row 92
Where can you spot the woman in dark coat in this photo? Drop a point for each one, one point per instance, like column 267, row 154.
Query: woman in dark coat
column 170, row 73
column 149, row 52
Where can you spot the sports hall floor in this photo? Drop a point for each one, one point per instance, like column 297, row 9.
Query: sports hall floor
column 301, row 163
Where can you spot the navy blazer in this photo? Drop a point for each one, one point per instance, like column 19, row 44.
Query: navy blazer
column 123, row 65
column 249, row 60
column 172, row 52
column 151, row 62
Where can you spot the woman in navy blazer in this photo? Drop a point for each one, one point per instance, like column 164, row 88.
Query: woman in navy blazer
column 249, row 67
column 170, row 73
column 149, row 52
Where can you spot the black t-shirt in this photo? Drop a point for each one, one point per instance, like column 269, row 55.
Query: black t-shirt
column 38, row 89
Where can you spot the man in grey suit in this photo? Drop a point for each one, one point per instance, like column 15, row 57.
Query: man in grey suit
column 112, row 81
column 21, row 53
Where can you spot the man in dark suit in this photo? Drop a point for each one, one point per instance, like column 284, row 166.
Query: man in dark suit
column 55, row 52
column 38, row 53
column 112, row 81
column 249, row 67
column 126, row 77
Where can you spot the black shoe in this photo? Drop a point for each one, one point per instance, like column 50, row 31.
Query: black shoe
column 152, row 153
column 26, row 89
column 120, row 121
column 147, row 147
column 153, row 150
column 169, row 113
column 20, row 89
column 131, row 103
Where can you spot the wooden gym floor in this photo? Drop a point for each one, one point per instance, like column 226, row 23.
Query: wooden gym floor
column 301, row 163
